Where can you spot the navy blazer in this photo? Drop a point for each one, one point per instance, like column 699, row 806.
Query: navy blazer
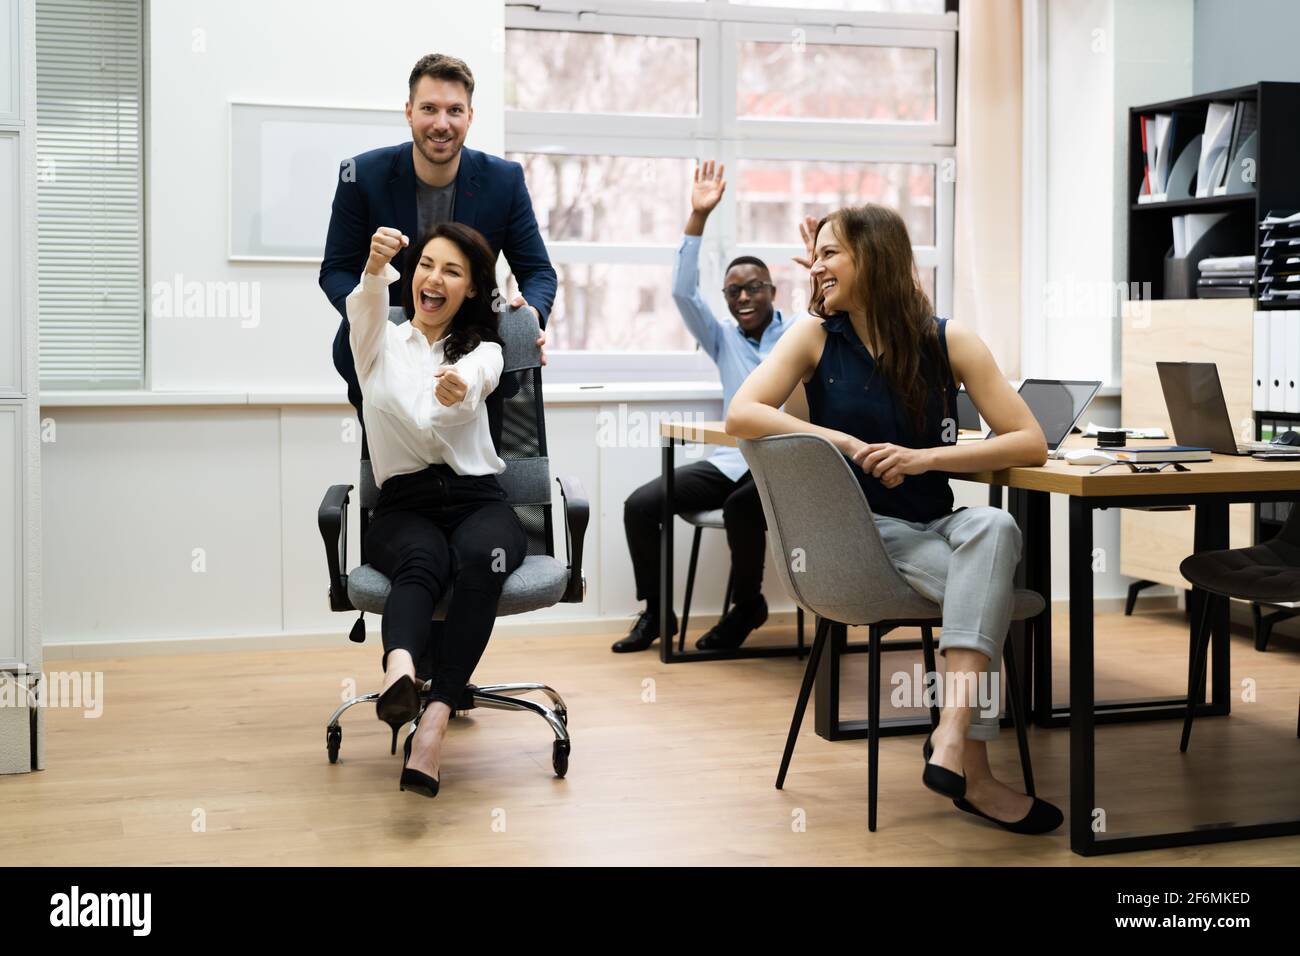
column 378, row 189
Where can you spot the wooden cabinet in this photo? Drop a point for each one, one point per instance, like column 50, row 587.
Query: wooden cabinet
column 1154, row 543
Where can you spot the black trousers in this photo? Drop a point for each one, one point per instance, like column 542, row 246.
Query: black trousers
column 432, row 530
column 698, row 486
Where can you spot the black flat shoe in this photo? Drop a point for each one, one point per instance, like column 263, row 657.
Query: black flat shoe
column 1042, row 817
column 940, row 779
column 645, row 631
column 398, row 706
column 414, row 780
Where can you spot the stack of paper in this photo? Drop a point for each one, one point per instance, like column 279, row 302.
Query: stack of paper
column 1279, row 263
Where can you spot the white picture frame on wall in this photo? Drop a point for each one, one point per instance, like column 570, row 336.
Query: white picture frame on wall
column 11, row 76
column 284, row 165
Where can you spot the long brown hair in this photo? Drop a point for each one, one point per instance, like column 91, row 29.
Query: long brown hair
column 900, row 317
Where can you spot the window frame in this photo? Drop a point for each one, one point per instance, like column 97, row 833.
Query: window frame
column 718, row 134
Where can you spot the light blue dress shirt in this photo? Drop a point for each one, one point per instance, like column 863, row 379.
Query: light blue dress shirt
column 733, row 352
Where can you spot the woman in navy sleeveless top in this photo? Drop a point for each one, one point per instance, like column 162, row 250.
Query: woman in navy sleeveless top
column 881, row 374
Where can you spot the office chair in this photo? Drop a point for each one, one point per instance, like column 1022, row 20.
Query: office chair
column 700, row 520
column 1267, row 573
column 849, row 579
column 518, row 427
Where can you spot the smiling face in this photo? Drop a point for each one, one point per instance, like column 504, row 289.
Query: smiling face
column 752, row 310
column 439, row 115
column 441, row 282
column 833, row 271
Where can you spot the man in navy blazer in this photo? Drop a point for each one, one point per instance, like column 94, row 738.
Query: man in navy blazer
column 435, row 176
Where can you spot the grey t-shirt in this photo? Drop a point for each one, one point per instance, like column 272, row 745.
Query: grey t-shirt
column 435, row 204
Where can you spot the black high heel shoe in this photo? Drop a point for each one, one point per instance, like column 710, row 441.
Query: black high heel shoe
column 940, row 779
column 414, row 780
column 398, row 706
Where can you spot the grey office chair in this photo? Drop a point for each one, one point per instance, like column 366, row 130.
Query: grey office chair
column 1267, row 573
column 814, row 503
column 518, row 427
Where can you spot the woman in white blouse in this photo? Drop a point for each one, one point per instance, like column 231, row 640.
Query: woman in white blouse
column 441, row 521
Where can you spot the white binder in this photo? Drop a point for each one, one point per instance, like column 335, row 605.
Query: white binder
column 1277, row 361
column 1259, row 368
column 1292, row 381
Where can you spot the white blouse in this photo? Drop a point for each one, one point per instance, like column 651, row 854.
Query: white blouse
column 407, row 428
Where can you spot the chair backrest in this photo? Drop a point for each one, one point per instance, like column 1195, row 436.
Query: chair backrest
column 518, row 427
column 823, row 535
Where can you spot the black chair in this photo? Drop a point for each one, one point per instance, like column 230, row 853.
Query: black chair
column 700, row 520
column 1267, row 573
column 518, row 427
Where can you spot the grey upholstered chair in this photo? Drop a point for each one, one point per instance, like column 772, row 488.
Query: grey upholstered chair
column 813, row 503
column 1267, row 573
column 518, row 429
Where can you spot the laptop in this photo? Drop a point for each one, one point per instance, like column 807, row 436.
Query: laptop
column 1198, row 412
column 1057, row 404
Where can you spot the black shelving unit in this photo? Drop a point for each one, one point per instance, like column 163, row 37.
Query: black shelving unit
column 1276, row 187
column 1277, row 179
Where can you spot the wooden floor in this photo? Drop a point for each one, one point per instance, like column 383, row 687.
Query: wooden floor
column 220, row 759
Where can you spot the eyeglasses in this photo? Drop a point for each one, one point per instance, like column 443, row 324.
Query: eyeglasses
column 1141, row 469
column 753, row 288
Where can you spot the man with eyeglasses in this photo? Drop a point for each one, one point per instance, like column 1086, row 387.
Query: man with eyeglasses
column 723, row 480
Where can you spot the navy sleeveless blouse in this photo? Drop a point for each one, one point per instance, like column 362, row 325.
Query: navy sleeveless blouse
column 847, row 393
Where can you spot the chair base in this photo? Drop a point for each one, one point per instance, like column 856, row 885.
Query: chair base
column 492, row 697
column 877, row 631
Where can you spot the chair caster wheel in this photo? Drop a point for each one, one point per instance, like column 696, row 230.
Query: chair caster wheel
column 333, row 738
column 560, row 757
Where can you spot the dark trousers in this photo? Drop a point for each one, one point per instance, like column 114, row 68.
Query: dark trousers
column 433, row 530
column 698, row 486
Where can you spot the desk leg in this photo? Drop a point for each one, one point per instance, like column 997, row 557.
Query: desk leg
column 1038, row 521
column 1021, row 631
column 1211, row 534
column 1082, row 727
column 666, row 555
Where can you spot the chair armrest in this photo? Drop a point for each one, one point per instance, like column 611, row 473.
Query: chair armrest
column 576, row 512
column 333, row 521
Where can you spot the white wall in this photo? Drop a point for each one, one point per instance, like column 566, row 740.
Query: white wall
column 170, row 523
column 1102, row 57
column 205, row 53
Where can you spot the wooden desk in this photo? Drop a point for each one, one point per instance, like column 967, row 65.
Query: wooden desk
column 1209, row 487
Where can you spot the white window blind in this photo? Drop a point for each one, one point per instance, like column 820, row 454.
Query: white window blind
column 90, row 221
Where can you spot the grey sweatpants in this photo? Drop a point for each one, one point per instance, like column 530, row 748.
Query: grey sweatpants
column 966, row 562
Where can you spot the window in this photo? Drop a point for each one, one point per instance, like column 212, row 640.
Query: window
column 609, row 111
column 90, row 226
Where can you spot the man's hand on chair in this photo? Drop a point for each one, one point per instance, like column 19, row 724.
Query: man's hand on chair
column 519, row 302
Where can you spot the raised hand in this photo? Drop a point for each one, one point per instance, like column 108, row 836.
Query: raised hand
column 808, row 233
column 708, row 187
column 384, row 244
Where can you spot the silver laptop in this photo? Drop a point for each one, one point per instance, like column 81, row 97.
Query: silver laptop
column 1057, row 404
column 1198, row 411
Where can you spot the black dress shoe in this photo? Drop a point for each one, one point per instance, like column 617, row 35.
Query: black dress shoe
column 1042, row 817
column 399, row 705
column 414, row 780
column 736, row 625
column 644, row 632
column 940, row 779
